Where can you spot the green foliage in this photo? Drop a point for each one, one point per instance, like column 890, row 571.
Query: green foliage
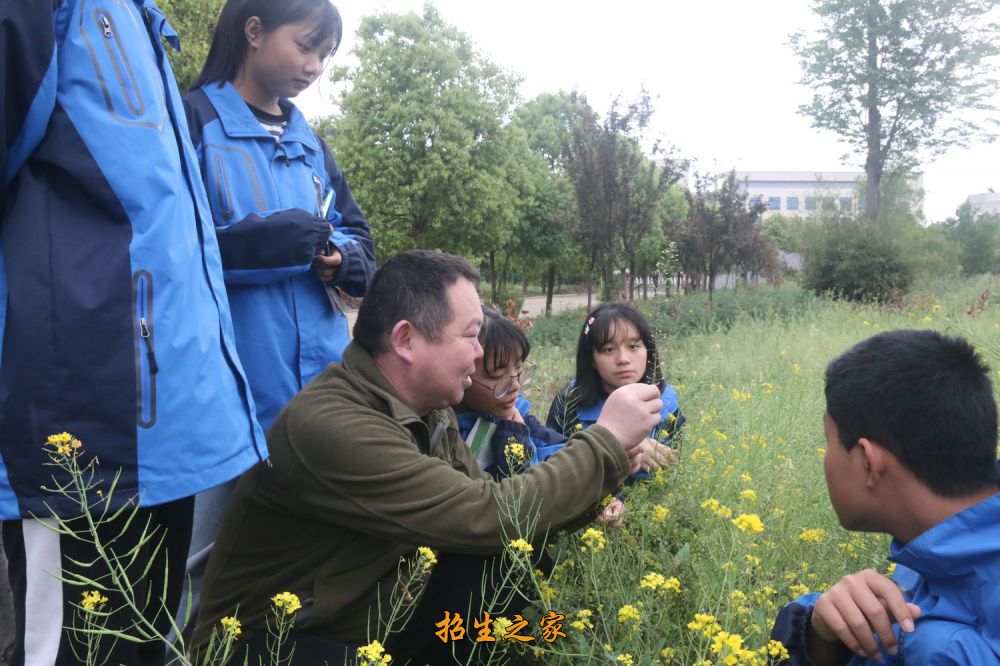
column 896, row 77
column 753, row 396
column 978, row 237
column 854, row 260
column 722, row 232
column 194, row 21
column 787, row 231
column 423, row 137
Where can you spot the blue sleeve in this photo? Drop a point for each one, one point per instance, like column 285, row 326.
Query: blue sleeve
column 546, row 440
column 27, row 81
column 351, row 233
column 263, row 248
column 791, row 626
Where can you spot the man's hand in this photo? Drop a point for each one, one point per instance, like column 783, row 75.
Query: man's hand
column 327, row 265
column 630, row 413
column 851, row 612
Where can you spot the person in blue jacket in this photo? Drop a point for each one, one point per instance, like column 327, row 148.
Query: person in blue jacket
column 911, row 442
column 292, row 237
column 493, row 414
column 616, row 348
column 113, row 317
column 290, row 233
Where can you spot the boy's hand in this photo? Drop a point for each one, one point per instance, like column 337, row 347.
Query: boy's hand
column 630, row 413
column 850, row 612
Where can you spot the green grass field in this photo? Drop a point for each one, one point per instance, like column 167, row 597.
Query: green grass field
column 749, row 372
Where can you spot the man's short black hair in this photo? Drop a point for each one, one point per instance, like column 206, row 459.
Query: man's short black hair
column 412, row 286
column 927, row 398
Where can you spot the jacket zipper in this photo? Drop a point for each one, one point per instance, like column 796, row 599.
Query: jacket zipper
column 123, row 71
column 146, row 365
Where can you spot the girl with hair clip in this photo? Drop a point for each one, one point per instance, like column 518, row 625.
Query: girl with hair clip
column 494, row 417
column 616, row 348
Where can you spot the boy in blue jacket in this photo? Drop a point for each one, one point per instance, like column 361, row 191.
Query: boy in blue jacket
column 114, row 321
column 911, row 430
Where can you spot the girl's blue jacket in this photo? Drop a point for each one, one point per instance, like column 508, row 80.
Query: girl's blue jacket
column 566, row 415
column 113, row 311
column 488, row 437
column 267, row 200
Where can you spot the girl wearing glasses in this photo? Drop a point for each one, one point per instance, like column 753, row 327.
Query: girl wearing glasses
column 494, row 417
column 616, row 348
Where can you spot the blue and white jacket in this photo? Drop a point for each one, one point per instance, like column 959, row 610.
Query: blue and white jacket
column 266, row 197
column 952, row 571
column 488, row 437
column 567, row 415
column 113, row 311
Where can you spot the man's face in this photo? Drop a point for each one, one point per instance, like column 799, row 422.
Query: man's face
column 443, row 367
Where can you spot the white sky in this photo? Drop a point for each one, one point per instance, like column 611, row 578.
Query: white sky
column 723, row 78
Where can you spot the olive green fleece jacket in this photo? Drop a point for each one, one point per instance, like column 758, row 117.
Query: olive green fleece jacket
column 356, row 481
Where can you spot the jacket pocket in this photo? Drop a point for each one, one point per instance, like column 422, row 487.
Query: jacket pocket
column 116, row 43
column 145, row 354
column 222, row 189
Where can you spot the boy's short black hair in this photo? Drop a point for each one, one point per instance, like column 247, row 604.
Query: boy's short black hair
column 412, row 286
column 927, row 398
column 599, row 328
column 504, row 344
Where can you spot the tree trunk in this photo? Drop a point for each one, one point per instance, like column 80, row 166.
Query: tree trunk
column 493, row 278
column 873, row 129
column 550, row 287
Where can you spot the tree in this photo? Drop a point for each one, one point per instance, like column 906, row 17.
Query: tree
column 978, row 237
column 194, row 21
column 722, row 232
column 423, row 135
column 891, row 76
column 618, row 188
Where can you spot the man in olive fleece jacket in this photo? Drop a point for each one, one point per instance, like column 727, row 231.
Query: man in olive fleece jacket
column 367, row 464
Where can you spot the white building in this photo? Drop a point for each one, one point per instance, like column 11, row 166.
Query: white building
column 988, row 202
column 802, row 193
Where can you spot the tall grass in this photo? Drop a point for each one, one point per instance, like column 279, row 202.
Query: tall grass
column 749, row 372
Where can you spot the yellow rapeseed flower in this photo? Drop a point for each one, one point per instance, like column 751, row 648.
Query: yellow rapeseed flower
column 373, row 654
column 231, row 626
column 287, row 602
column 592, row 538
column 749, row 523
column 628, row 613
column 775, row 649
column 747, row 478
column 64, row 443
column 652, row 581
column 426, row 558
column 660, row 512
column 92, row 599
column 625, row 658
column 705, row 624
column 748, row 495
column 501, row 626
column 514, row 451
column 814, row 535
column 521, row 546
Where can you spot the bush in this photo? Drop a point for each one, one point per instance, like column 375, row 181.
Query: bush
column 853, row 260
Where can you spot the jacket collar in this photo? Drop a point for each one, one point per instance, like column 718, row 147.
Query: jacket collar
column 359, row 362
column 238, row 120
column 966, row 543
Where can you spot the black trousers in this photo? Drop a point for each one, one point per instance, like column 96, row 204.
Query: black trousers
column 43, row 605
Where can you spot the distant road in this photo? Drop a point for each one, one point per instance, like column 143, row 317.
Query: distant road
column 534, row 306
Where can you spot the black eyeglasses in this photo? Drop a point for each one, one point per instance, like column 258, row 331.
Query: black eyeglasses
column 506, row 383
